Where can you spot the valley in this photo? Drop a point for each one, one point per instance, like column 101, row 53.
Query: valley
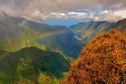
column 34, row 52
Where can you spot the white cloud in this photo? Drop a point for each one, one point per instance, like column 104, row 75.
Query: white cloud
column 120, row 13
column 105, row 12
column 42, row 9
column 101, row 15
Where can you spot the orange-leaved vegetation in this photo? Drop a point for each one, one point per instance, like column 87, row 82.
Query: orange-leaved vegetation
column 102, row 61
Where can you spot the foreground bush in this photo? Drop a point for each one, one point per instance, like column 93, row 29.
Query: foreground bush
column 102, row 61
column 45, row 79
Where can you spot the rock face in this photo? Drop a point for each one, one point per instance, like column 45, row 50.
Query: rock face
column 102, row 61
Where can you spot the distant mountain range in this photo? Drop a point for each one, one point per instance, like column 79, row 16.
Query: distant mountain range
column 28, row 48
column 87, row 30
column 17, row 33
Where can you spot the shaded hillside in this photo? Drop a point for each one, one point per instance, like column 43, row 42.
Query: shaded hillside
column 87, row 30
column 28, row 63
column 17, row 33
column 120, row 25
column 102, row 61
column 64, row 43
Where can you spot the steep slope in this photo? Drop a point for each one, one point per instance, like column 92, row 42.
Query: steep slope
column 28, row 63
column 102, row 61
column 87, row 30
column 17, row 33
column 21, row 33
column 64, row 43
column 120, row 25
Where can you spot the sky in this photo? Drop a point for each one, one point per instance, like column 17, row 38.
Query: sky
column 110, row 10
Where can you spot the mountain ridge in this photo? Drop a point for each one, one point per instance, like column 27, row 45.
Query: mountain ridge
column 29, row 63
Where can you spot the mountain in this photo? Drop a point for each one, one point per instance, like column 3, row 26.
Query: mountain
column 87, row 30
column 65, row 43
column 20, row 32
column 120, row 25
column 17, row 33
column 28, row 63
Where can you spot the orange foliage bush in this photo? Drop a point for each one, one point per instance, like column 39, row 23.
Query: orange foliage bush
column 102, row 61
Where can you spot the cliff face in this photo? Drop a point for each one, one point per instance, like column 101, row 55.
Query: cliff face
column 102, row 61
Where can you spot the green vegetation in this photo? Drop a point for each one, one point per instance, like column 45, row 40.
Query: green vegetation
column 44, row 79
column 87, row 30
column 30, row 65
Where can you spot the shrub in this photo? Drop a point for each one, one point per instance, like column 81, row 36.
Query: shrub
column 45, row 79
column 102, row 61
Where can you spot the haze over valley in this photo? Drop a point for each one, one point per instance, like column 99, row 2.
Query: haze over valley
column 40, row 40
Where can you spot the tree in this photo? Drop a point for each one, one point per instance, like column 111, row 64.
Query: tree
column 102, row 61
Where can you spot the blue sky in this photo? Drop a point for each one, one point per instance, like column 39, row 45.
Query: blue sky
column 63, row 22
